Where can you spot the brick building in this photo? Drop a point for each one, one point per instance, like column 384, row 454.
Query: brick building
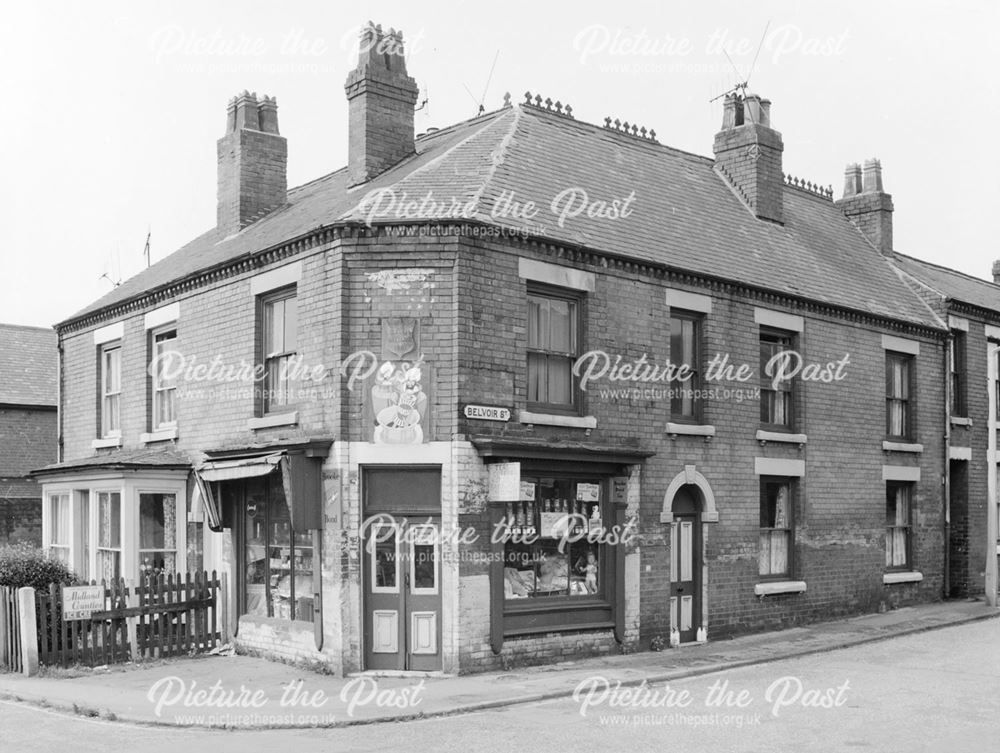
column 971, row 308
column 28, row 400
column 421, row 408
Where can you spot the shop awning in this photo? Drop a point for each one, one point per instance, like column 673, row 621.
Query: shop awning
column 231, row 470
column 301, row 476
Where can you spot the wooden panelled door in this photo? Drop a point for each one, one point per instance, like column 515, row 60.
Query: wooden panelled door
column 685, row 564
column 403, row 594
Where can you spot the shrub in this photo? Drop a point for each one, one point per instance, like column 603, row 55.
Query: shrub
column 26, row 565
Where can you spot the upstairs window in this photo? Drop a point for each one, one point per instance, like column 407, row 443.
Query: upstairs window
column 898, row 395
column 553, row 347
column 164, row 384
column 956, row 361
column 685, row 349
column 776, row 399
column 111, row 390
column 279, row 318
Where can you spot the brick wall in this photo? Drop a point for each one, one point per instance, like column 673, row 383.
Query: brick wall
column 27, row 441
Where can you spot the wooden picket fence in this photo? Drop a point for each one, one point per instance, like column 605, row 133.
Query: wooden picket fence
column 160, row 616
column 10, row 630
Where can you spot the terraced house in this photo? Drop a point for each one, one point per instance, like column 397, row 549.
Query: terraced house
column 515, row 390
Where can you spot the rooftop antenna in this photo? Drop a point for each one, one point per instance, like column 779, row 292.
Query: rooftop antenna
column 426, row 99
column 145, row 251
column 742, row 83
column 479, row 102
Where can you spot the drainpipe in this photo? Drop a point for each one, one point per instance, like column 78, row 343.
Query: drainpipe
column 59, row 396
column 992, row 524
column 947, row 465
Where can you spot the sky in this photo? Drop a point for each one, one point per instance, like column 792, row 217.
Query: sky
column 112, row 110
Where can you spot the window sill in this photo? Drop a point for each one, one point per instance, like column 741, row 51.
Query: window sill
column 780, row 436
column 274, row 419
column 780, row 587
column 105, row 442
column 160, row 435
column 554, row 419
column 691, row 430
column 888, row 446
column 956, row 421
column 910, row 576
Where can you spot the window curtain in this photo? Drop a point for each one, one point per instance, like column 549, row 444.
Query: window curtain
column 774, row 541
column 899, row 523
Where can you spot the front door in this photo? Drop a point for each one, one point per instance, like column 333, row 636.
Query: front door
column 402, row 593
column 685, row 567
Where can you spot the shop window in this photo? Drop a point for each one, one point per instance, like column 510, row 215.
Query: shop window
column 59, row 528
column 553, row 345
column 776, row 399
column 776, row 528
column 157, row 534
column 164, row 384
column 897, row 526
column 279, row 561
column 898, row 395
column 109, row 535
column 111, row 390
column 279, row 326
column 685, row 349
column 548, row 553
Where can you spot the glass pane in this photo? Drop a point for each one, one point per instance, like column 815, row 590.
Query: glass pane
column 560, row 380
column 537, row 378
column 60, row 520
column 424, row 565
column 534, row 323
column 385, row 558
column 561, row 332
column 585, row 580
column 151, row 521
column 291, row 325
column 109, row 527
column 256, row 550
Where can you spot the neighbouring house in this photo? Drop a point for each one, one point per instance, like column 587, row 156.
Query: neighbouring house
column 28, row 401
column 971, row 307
column 513, row 391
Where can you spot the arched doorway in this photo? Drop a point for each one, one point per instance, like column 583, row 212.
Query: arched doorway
column 686, row 582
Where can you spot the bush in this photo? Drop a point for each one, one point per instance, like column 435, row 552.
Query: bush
column 26, row 565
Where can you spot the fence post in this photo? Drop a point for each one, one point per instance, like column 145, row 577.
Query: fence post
column 28, row 621
column 223, row 596
column 132, row 600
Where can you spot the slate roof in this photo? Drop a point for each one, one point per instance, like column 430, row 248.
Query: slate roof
column 122, row 460
column 684, row 214
column 952, row 284
column 28, row 365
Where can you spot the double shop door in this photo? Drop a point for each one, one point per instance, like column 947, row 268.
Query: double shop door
column 401, row 566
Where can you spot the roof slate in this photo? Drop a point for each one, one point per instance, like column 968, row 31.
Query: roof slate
column 122, row 459
column 684, row 214
column 951, row 283
column 28, row 366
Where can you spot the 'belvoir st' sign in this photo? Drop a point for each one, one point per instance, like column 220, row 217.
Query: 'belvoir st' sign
column 487, row 412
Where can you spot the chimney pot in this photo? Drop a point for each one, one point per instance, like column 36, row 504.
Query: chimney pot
column 852, row 180
column 873, row 176
column 996, row 271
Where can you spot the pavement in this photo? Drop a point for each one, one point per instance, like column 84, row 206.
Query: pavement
column 250, row 693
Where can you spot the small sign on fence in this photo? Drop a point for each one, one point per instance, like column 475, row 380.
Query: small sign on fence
column 80, row 602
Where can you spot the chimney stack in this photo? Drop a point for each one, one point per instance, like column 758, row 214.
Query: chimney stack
column 252, row 163
column 996, row 271
column 381, row 99
column 748, row 152
column 867, row 205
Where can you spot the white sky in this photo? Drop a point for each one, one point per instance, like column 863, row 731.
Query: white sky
column 112, row 109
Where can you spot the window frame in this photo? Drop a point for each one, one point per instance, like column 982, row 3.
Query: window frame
column 265, row 406
column 104, row 432
column 154, row 389
column 65, row 549
column 175, row 533
column 774, row 333
column 909, row 402
column 697, row 416
column 909, row 488
column 958, row 374
column 98, row 547
column 577, row 298
column 790, row 484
